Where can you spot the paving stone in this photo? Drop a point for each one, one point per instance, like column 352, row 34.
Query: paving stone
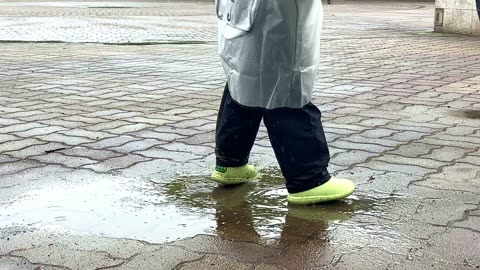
column 151, row 121
column 378, row 259
column 163, row 136
column 8, row 109
column 459, row 144
column 377, row 133
column 473, row 223
column 18, row 263
column 69, row 161
column 95, row 154
column 5, row 159
column 8, row 121
column 215, row 262
column 332, row 136
column 114, row 247
column 461, row 171
column 64, row 139
column 471, row 159
column 373, row 148
column 261, row 142
column 116, row 163
column 402, row 168
column 447, row 154
column 378, row 141
column 453, row 210
column 341, row 131
column 44, row 116
column 346, row 110
column 7, row 137
column 111, row 142
column 166, row 154
column 202, row 139
column 25, row 113
column 349, row 119
column 374, row 122
column 415, row 150
column 106, row 126
column 164, row 258
column 475, row 213
column 334, row 151
column 202, row 113
column 40, row 131
column 246, row 252
column 351, row 157
column 458, row 254
column 28, row 176
column 63, row 123
column 92, row 135
column 100, row 113
column 467, row 139
column 460, row 131
column 207, row 127
column 128, row 128
column 39, row 149
column 421, row 162
column 167, row 117
column 451, row 184
column 18, row 144
column 175, row 130
column 83, row 119
column 194, row 149
column 163, row 169
column 19, row 127
column 123, row 115
column 406, row 136
column 16, row 167
column 266, row 267
column 405, row 128
column 71, row 258
column 139, row 145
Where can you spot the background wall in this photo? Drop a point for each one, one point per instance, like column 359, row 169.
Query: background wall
column 459, row 16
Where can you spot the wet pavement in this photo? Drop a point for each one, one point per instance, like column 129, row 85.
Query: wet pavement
column 105, row 149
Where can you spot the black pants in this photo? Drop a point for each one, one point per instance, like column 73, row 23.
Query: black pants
column 296, row 135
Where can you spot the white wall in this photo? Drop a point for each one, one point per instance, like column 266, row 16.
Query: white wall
column 459, row 17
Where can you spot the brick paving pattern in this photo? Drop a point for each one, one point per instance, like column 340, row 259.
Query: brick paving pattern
column 401, row 108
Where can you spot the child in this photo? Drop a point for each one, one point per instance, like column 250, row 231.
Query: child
column 270, row 50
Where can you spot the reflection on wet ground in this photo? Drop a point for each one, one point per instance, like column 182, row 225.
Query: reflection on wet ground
column 185, row 207
column 258, row 212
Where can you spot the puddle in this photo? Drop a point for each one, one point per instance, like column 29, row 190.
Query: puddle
column 112, row 207
column 470, row 114
column 258, row 211
column 184, row 207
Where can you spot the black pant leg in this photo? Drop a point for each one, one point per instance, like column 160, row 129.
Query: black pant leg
column 237, row 128
column 300, row 146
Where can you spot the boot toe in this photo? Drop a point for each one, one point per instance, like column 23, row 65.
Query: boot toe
column 334, row 189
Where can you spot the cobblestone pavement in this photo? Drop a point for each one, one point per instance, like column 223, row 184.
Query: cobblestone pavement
column 105, row 149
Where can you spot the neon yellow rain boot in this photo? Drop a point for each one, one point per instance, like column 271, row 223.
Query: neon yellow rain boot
column 234, row 175
column 332, row 190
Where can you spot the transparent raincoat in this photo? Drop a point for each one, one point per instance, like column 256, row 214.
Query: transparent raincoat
column 270, row 50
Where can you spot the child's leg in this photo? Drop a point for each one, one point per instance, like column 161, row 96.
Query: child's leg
column 300, row 146
column 237, row 128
